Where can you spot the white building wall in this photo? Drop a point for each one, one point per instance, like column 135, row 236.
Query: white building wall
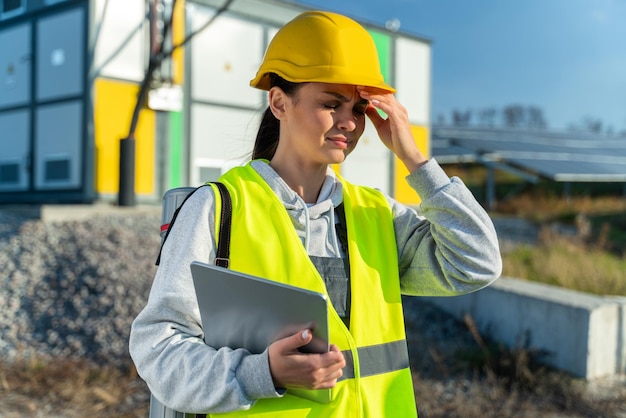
column 121, row 48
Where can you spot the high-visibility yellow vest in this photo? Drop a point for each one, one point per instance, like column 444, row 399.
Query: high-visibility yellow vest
column 377, row 380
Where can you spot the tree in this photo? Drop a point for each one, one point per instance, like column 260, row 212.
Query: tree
column 535, row 118
column 487, row 117
column 461, row 118
column 592, row 125
column 514, row 116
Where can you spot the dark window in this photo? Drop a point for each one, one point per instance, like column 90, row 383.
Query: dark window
column 11, row 5
column 56, row 170
column 9, row 173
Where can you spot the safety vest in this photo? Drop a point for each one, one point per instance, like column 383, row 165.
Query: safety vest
column 376, row 381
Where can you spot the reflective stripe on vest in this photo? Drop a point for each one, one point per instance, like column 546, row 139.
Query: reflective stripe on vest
column 377, row 359
column 377, row 381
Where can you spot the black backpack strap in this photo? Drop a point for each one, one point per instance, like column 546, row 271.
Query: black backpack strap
column 223, row 243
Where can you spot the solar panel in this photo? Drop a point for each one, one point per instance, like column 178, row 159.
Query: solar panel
column 574, row 171
column 558, row 156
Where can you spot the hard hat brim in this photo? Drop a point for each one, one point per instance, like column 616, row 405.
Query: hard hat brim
column 262, row 81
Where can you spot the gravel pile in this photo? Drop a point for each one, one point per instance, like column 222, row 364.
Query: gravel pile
column 73, row 288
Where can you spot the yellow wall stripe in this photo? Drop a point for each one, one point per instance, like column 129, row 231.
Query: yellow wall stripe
column 404, row 193
column 113, row 107
column 178, row 36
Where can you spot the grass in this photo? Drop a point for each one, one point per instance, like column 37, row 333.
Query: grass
column 511, row 383
column 549, row 207
column 70, row 388
column 570, row 263
column 582, row 241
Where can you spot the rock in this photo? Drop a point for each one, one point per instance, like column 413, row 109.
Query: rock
column 72, row 288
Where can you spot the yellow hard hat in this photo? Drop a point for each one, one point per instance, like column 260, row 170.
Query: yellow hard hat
column 322, row 47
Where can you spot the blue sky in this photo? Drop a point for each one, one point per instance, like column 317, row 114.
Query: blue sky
column 567, row 57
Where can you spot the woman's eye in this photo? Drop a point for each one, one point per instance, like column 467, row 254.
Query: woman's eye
column 331, row 106
column 360, row 107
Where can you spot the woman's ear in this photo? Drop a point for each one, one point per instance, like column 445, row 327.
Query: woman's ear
column 277, row 101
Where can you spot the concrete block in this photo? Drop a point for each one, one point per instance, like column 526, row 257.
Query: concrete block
column 583, row 334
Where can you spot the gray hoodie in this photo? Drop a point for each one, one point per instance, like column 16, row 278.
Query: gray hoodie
column 449, row 248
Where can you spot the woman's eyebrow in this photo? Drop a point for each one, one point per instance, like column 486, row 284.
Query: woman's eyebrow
column 344, row 98
column 338, row 96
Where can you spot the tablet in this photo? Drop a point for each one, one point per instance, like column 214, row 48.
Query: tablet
column 239, row 310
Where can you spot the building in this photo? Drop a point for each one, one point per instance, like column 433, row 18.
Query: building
column 71, row 71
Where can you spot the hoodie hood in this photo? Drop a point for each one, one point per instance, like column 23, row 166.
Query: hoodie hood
column 310, row 220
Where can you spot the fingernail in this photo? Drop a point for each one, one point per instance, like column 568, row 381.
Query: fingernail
column 375, row 102
column 305, row 334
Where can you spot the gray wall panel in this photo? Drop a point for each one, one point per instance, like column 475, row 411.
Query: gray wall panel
column 60, row 57
column 15, row 65
column 15, row 149
column 225, row 57
column 122, row 42
column 58, row 141
column 220, row 137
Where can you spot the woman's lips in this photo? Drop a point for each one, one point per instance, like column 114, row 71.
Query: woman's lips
column 340, row 142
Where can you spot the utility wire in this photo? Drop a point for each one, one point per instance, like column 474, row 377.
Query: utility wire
column 158, row 58
column 201, row 28
column 120, row 48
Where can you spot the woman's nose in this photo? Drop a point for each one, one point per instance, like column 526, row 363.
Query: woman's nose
column 346, row 121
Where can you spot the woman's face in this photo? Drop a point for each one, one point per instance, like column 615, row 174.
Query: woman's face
column 322, row 122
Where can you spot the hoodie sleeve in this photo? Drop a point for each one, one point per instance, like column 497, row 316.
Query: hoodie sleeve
column 451, row 247
column 166, row 339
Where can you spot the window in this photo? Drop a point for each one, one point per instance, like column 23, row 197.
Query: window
column 9, row 173
column 10, row 8
column 57, row 170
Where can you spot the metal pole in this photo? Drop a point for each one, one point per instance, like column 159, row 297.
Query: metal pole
column 490, row 188
column 567, row 191
column 126, row 196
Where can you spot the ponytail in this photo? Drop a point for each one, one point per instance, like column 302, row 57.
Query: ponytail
column 267, row 136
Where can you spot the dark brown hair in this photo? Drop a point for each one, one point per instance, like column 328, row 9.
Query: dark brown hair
column 267, row 137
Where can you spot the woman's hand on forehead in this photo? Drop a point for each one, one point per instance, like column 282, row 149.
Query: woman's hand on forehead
column 394, row 130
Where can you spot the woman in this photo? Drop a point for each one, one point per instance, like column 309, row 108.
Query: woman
column 297, row 222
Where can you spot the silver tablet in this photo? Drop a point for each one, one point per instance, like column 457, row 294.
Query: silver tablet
column 243, row 311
